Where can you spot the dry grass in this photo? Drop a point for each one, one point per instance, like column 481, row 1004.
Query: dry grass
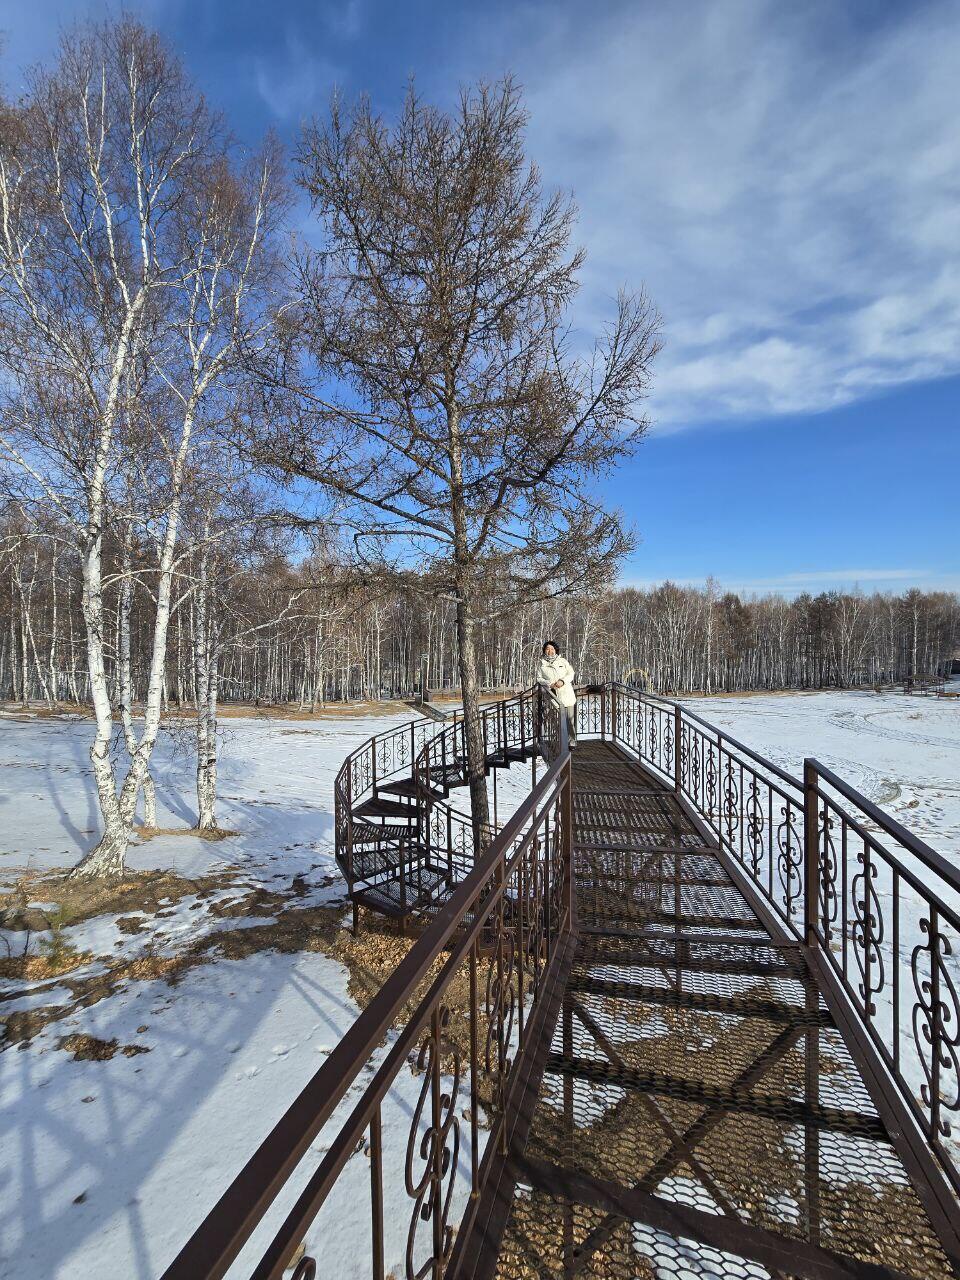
column 73, row 901
column 34, row 968
column 84, row 1048
column 202, row 833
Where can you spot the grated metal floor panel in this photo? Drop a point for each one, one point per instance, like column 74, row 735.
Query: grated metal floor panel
column 700, row 1115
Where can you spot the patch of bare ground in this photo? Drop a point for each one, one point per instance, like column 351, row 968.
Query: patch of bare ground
column 67, row 901
column 84, row 1048
column 756, row 693
column 40, row 968
column 369, row 957
column 202, row 833
column 291, row 711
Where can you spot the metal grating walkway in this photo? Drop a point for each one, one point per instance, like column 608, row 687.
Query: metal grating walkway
column 699, row 1115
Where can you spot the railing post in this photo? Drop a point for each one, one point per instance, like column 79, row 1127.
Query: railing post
column 603, row 711
column 677, row 731
column 811, row 853
column 567, row 836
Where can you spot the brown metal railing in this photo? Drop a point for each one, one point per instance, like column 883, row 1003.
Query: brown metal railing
column 475, row 1018
column 880, row 907
column 884, row 909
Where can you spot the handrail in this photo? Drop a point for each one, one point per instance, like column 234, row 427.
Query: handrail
column 887, row 935
column 721, row 733
column 917, row 847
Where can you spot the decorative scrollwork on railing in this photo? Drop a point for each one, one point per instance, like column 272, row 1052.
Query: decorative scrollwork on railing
column 653, row 738
column 683, row 757
column 755, row 825
column 790, row 855
column 361, row 773
column 438, row 1147
column 936, row 1024
column 867, row 930
column 711, row 779
column 306, row 1269
column 731, row 803
column 828, row 873
column 696, row 766
column 668, row 743
column 535, row 900
column 500, row 1006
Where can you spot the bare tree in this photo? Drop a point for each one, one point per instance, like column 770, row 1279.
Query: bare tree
column 466, row 426
column 133, row 263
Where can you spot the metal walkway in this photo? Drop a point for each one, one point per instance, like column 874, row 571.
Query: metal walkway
column 699, row 1112
column 683, row 1017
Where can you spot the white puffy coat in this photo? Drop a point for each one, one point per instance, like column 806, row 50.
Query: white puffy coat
column 553, row 669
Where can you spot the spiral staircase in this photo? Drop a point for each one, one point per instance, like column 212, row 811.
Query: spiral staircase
column 401, row 846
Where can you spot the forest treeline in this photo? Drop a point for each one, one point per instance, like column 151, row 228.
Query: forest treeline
column 309, row 633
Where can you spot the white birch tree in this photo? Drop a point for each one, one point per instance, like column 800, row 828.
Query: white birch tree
column 134, row 263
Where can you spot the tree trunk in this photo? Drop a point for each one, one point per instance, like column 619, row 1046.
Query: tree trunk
column 473, row 731
column 107, row 858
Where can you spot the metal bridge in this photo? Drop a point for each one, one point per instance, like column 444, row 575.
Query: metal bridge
column 682, row 1016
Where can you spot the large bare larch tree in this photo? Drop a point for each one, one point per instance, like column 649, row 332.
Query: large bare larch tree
column 448, row 407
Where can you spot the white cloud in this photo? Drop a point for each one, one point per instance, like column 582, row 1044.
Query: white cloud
column 785, row 181
column 298, row 82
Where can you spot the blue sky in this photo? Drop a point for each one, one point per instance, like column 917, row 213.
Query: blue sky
column 785, row 179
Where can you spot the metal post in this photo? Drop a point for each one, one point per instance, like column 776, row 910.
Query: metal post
column 603, row 711
column 567, row 836
column 677, row 730
column 376, row 1193
column 811, row 853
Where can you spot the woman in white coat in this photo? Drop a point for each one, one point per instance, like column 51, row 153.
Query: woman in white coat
column 555, row 676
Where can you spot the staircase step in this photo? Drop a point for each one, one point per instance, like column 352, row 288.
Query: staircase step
column 386, row 897
column 407, row 787
column 377, row 808
column 365, row 833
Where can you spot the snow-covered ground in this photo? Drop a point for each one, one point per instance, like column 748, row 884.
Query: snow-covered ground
column 108, row 1165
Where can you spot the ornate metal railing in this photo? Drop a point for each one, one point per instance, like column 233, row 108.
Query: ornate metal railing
column 885, row 910
column 522, row 724
column 477, row 1013
column 433, row 755
column 881, row 906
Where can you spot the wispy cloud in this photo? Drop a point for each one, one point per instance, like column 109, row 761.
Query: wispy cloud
column 298, row 80
column 783, row 177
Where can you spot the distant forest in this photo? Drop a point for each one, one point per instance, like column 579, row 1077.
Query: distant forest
column 271, row 632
